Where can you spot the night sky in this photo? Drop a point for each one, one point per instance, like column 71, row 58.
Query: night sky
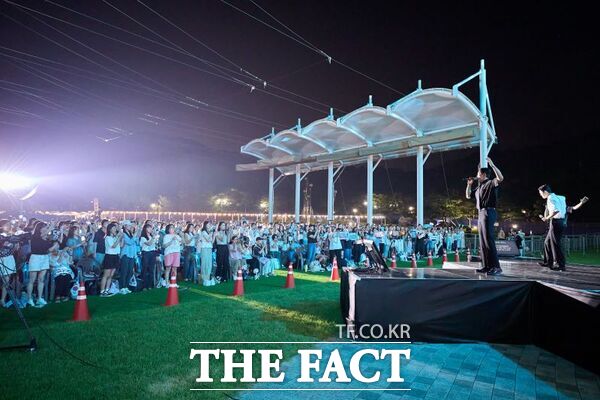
column 60, row 96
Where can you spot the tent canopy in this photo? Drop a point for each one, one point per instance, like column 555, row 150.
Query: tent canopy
column 440, row 119
column 425, row 121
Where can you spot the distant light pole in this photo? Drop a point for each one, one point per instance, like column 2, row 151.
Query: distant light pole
column 156, row 207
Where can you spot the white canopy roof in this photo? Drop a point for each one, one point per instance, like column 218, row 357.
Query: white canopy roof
column 438, row 118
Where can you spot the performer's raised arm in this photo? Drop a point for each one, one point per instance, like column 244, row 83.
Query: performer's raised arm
column 499, row 177
column 469, row 188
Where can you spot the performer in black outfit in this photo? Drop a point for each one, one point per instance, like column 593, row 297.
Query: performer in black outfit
column 486, row 197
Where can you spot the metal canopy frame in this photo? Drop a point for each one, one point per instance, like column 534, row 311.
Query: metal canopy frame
column 423, row 122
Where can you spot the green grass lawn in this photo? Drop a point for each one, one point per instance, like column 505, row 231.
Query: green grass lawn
column 135, row 348
column 589, row 258
column 140, row 349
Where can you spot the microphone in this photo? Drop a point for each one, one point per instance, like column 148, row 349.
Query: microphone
column 470, row 177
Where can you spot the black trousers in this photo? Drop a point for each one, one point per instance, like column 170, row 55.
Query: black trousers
column 338, row 255
column 357, row 250
column 223, row 262
column 552, row 245
column 485, row 227
column 148, row 268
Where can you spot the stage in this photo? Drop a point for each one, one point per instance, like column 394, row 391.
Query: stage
column 527, row 304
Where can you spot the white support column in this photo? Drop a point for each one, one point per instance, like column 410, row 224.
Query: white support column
column 420, row 164
column 297, row 195
column 370, row 189
column 330, row 191
column 271, row 193
column 483, row 135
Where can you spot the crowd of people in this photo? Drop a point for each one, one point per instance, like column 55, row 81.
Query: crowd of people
column 120, row 257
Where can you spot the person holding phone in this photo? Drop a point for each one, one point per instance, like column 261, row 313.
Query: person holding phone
column 113, row 241
column 222, row 241
column 39, row 262
column 172, row 251
column 148, row 241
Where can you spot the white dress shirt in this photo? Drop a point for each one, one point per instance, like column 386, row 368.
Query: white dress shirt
column 556, row 203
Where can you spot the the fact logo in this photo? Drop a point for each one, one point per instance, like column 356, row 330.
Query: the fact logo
column 316, row 365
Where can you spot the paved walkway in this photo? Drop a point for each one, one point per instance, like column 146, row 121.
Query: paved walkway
column 470, row 371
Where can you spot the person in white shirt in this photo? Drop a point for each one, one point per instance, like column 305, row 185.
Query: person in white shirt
column 112, row 242
column 556, row 211
column 148, row 241
column 205, row 243
column 172, row 251
column 222, row 236
column 335, row 246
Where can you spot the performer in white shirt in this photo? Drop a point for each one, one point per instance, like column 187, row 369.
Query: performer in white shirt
column 556, row 211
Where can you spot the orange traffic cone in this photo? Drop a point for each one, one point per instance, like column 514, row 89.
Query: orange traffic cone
column 393, row 261
column 335, row 275
column 457, row 256
column 81, row 312
column 468, row 255
column 413, row 261
column 172, row 294
column 289, row 281
column 429, row 260
column 445, row 257
column 238, row 286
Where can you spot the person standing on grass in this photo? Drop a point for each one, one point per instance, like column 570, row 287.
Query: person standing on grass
column 235, row 255
column 128, row 255
column 205, row 243
column 312, row 244
column 222, row 239
column 8, row 265
column 99, row 236
column 172, row 251
column 189, row 253
column 148, row 242
column 335, row 246
column 39, row 262
column 112, row 244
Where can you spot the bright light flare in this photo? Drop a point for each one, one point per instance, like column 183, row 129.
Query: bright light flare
column 10, row 182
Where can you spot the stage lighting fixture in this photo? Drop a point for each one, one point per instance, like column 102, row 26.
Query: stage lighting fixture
column 10, row 182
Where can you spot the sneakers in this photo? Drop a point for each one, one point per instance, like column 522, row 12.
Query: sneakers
column 107, row 293
column 124, row 291
column 41, row 303
column 30, row 303
column 494, row 271
column 8, row 304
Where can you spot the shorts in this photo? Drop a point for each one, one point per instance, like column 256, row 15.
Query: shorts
column 111, row 261
column 172, row 260
column 7, row 266
column 39, row 262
